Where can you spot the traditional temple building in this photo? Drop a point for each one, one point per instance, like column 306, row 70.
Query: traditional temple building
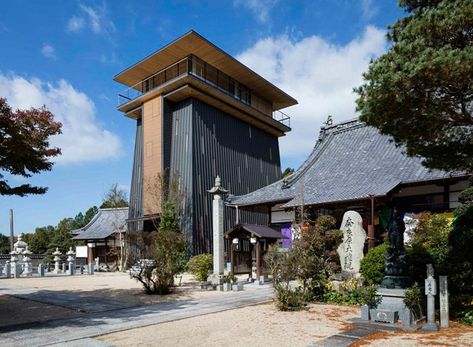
column 200, row 113
column 104, row 235
column 354, row 167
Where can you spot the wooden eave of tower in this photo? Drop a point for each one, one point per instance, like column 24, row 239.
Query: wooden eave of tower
column 192, row 43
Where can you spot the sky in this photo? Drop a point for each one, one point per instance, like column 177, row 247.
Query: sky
column 64, row 54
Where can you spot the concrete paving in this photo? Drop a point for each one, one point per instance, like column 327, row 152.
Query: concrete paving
column 107, row 318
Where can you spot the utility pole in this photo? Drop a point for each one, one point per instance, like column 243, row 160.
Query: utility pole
column 11, row 230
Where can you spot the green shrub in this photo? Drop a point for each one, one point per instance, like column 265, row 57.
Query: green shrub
column 200, row 266
column 370, row 296
column 460, row 258
column 288, row 299
column 356, row 296
column 372, row 265
column 413, row 299
column 230, row 278
column 466, row 316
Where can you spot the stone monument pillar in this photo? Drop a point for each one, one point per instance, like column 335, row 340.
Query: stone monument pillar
column 57, row 259
column 71, row 260
column 218, row 243
column 27, row 262
column 430, row 291
column 350, row 250
column 443, row 301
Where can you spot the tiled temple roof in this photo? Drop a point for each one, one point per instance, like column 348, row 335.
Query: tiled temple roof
column 350, row 161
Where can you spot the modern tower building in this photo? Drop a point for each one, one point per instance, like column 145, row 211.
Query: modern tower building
column 201, row 113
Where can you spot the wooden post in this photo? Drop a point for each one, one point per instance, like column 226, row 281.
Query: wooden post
column 371, row 237
column 232, row 257
column 90, row 255
column 258, row 259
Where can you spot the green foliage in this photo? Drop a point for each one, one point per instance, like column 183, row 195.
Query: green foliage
column 24, row 146
column 429, row 245
column 460, row 258
column 289, row 171
column 352, row 294
column 169, row 217
column 4, row 244
column 420, row 91
column 372, row 265
column 413, row 299
column 39, row 241
column 164, row 252
column 230, row 278
column 370, row 296
column 200, row 266
column 290, row 299
column 310, row 261
column 115, row 198
column 466, row 316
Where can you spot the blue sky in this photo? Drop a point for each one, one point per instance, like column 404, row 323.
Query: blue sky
column 65, row 53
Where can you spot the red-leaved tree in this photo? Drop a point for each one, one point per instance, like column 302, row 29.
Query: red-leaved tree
column 24, row 146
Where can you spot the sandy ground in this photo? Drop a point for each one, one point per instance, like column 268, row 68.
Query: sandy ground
column 261, row 325
column 455, row 335
column 14, row 311
column 113, row 285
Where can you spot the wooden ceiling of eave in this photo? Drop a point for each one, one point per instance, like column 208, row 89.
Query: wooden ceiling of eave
column 193, row 43
column 188, row 91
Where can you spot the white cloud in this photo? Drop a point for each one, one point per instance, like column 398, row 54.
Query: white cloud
column 83, row 139
column 48, row 51
column 319, row 74
column 368, row 9
column 96, row 19
column 260, row 8
column 75, row 24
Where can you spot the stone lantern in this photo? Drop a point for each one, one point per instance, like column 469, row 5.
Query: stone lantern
column 57, row 259
column 71, row 260
column 217, row 220
column 27, row 271
column 14, row 263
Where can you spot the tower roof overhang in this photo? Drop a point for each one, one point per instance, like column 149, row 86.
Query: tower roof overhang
column 192, row 43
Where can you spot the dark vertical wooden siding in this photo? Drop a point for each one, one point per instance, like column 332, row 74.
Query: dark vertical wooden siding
column 246, row 158
column 180, row 161
column 199, row 143
column 136, row 188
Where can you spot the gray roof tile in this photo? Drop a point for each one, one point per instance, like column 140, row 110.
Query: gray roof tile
column 106, row 222
column 350, row 161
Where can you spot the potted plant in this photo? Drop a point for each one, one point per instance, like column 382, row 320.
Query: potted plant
column 228, row 280
column 370, row 301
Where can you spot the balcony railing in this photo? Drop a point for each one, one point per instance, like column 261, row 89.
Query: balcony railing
column 196, row 67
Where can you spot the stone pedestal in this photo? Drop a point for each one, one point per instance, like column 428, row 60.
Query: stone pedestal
column 391, row 306
column 41, row 270
column 7, row 269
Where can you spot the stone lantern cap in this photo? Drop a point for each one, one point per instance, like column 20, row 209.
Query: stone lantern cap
column 218, row 189
column 56, row 252
column 70, row 251
column 20, row 244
